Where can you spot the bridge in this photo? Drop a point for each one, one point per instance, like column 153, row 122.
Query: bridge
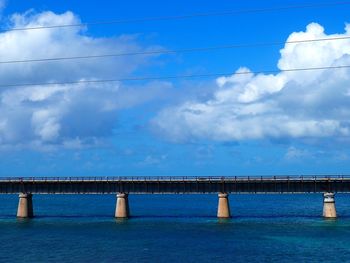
column 223, row 186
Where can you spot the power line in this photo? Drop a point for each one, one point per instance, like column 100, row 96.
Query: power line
column 174, row 76
column 195, row 15
column 185, row 50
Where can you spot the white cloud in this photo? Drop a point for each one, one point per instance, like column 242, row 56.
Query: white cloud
column 63, row 42
column 294, row 153
column 65, row 115
column 151, row 160
column 300, row 104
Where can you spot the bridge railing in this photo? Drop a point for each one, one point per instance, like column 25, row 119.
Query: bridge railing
column 174, row 178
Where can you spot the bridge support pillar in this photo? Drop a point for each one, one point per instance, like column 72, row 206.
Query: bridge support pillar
column 223, row 206
column 122, row 206
column 329, row 206
column 25, row 206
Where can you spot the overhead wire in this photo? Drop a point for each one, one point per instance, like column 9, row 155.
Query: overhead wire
column 199, row 49
column 184, row 50
column 150, row 78
column 181, row 17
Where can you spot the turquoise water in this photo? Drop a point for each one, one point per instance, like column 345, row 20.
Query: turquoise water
column 175, row 228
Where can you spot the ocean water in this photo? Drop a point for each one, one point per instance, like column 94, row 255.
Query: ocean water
column 175, row 228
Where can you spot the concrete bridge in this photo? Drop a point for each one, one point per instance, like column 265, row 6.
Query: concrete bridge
column 223, row 186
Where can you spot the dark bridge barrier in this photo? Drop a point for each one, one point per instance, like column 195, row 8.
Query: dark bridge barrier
column 174, row 185
column 122, row 186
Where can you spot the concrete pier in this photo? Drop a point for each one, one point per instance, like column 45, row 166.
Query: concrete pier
column 223, row 206
column 122, row 206
column 25, row 206
column 329, row 206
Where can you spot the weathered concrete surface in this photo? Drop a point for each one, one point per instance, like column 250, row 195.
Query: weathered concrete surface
column 329, row 206
column 25, row 206
column 223, row 206
column 122, row 207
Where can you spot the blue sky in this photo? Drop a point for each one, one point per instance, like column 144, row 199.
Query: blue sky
column 283, row 123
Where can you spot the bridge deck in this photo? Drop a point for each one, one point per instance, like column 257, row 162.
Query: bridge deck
column 175, row 185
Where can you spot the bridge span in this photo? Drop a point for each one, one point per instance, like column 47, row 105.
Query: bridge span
column 123, row 186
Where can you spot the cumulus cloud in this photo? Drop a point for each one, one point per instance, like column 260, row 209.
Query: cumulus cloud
column 61, row 42
column 66, row 115
column 54, row 114
column 299, row 104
